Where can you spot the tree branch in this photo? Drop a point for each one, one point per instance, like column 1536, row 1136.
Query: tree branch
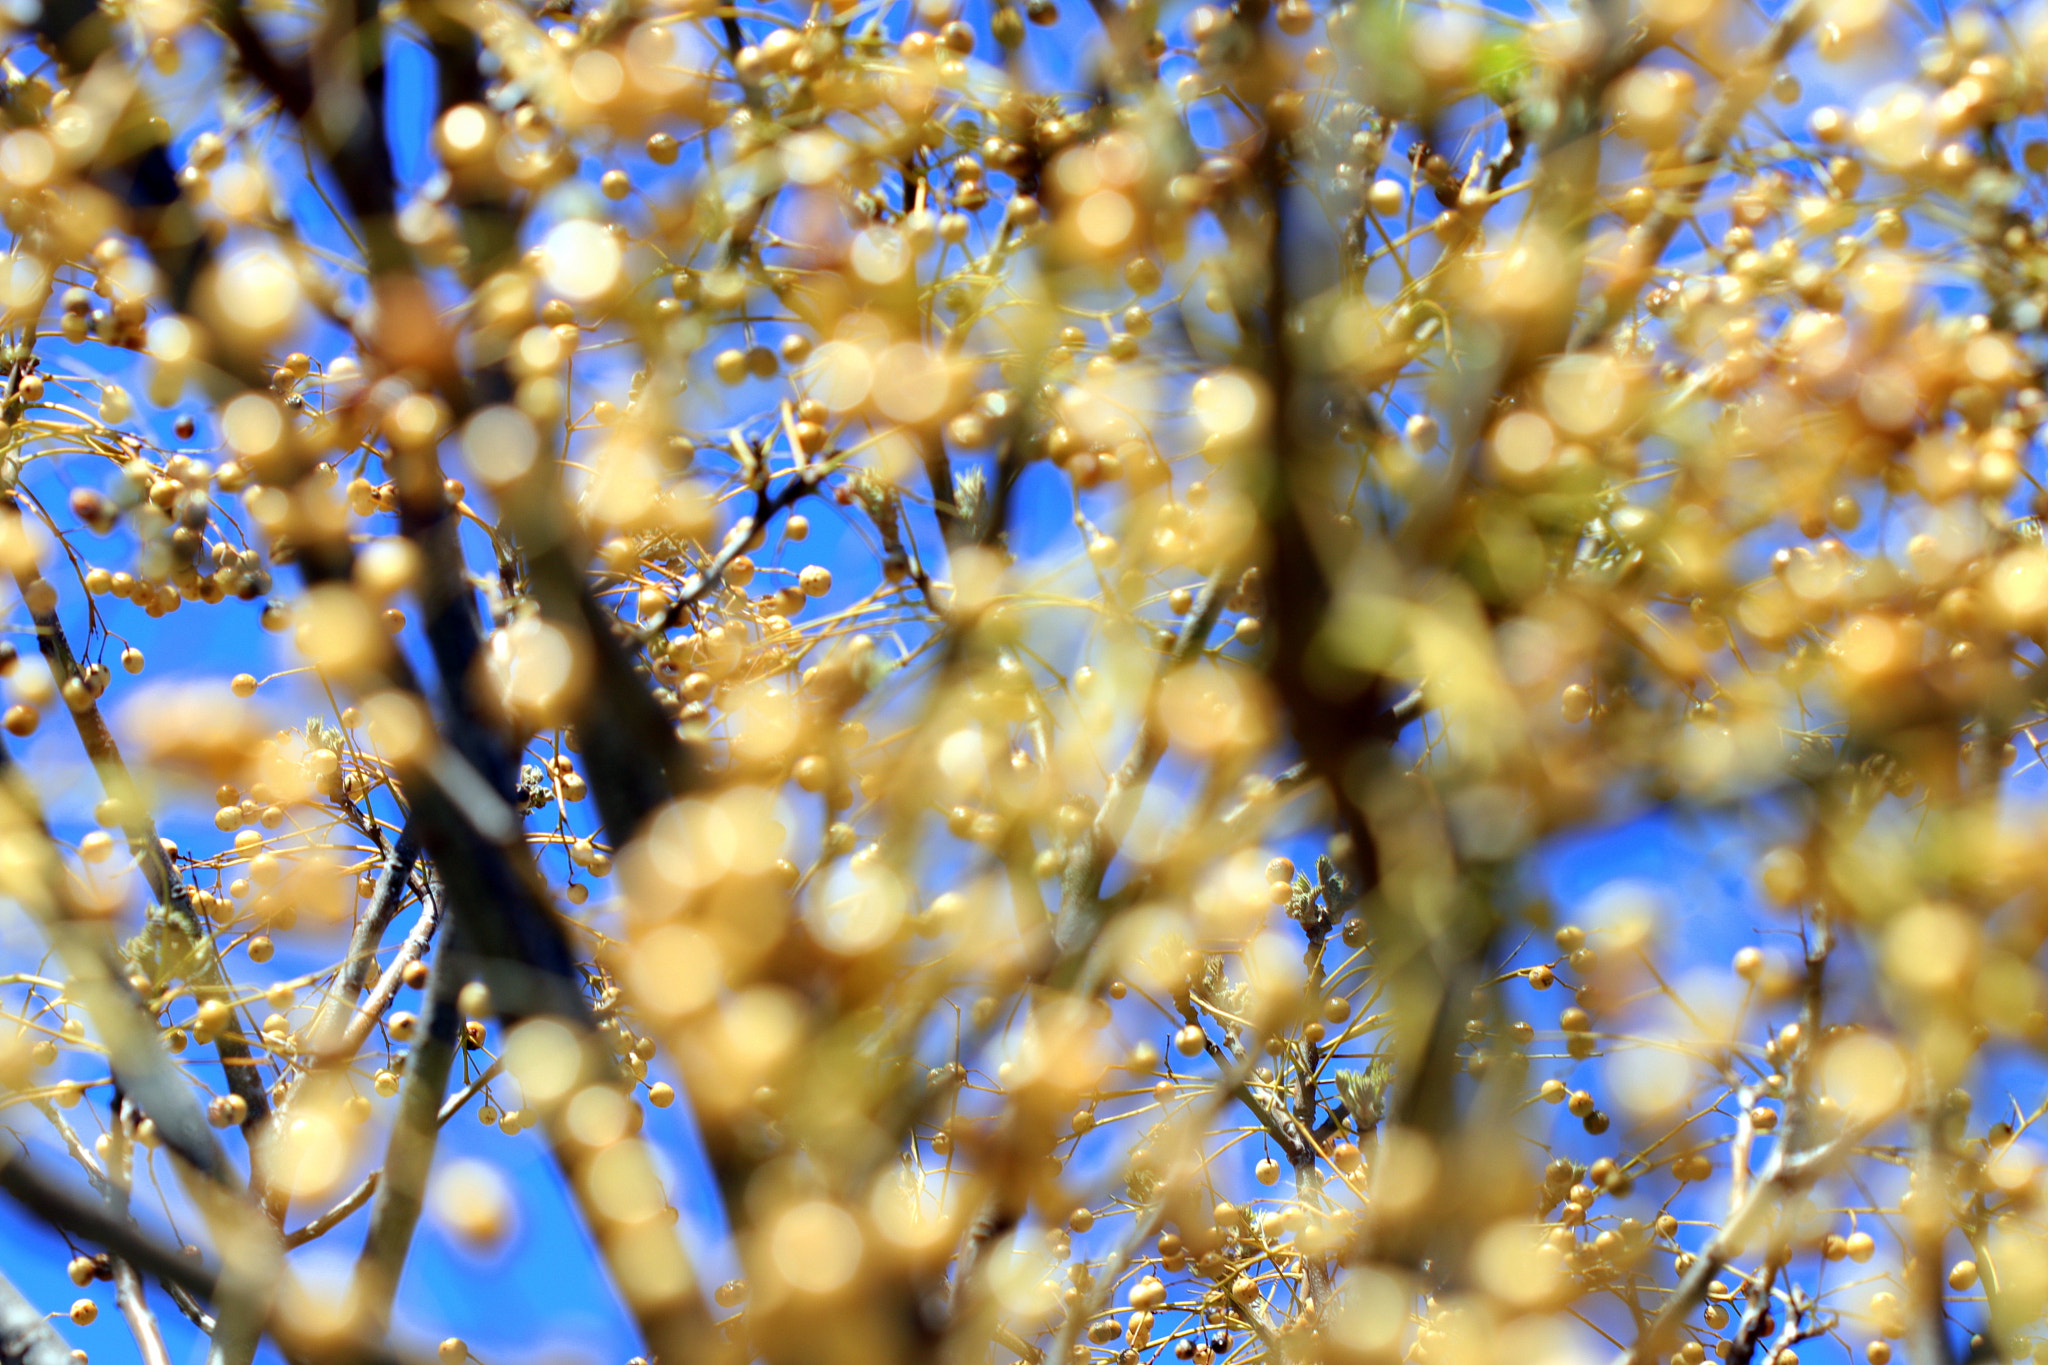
column 26, row 1337
column 201, row 962
column 1648, row 241
column 409, row 1152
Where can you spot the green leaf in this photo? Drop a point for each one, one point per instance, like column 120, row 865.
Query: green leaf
column 1501, row 66
column 1364, row 1094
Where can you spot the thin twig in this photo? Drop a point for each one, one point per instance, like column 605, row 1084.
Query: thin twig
column 457, row 1101
column 388, row 985
column 393, row 880
column 326, row 1222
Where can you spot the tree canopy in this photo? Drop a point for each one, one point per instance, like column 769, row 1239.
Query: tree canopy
column 1018, row 617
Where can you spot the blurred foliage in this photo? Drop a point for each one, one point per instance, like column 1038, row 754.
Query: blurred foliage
column 1011, row 606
